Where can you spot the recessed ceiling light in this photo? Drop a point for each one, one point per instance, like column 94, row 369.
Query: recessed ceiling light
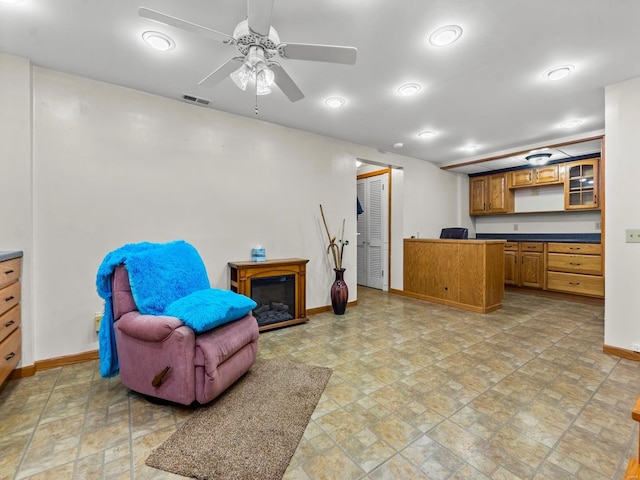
column 159, row 41
column 558, row 73
column 446, row 35
column 398, row 145
column 334, row 102
column 470, row 148
column 427, row 134
column 409, row 89
column 573, row 123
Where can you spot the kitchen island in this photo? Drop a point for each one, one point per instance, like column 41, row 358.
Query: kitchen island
column 467, row 274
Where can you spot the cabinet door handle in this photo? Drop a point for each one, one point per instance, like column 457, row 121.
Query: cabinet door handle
column 9, row 323
column 574, row 248
column 574, row 283
column 10, row 356
column 574, row 263
column 8, row 299
column 8, row 272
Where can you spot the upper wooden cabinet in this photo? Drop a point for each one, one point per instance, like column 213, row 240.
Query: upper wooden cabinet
column 495, row 193
column 581, row 185
column 489, row 194
column 545, row 175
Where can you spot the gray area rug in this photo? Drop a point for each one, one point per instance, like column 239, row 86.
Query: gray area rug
column 250, row 431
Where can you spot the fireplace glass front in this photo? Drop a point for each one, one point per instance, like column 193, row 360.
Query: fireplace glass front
column 275, row 297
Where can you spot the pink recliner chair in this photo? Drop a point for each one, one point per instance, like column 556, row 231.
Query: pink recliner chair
column 162, row 357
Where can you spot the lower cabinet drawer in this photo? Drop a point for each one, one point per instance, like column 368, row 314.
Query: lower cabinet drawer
column 575, row 283
column 9, row 321
column 587, row 264
column 9, row 297
column 9, row 354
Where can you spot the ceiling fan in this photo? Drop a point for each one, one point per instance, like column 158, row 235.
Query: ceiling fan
column 258, row 43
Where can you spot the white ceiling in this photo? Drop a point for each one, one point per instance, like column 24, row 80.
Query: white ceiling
column 486, row 89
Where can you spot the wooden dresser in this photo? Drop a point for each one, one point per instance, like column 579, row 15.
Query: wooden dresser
column 10, row 332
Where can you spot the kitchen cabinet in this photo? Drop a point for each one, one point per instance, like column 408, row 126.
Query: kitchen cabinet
column 467, row 274
column 531, row 177
column 524, row 264
column 490, row 194
column 575, row 268
column 581, row 185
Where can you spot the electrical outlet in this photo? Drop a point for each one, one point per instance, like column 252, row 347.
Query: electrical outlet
column 535, row 192
column 632, row 235
column 97, row 318
column 597, row 225
column 515, row 227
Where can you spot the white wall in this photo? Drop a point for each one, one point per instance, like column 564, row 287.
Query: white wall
column 113, row 166
column 15, row 195
column 622, row 260
column 556, row 222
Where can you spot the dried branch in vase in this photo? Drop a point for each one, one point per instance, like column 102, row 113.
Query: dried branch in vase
column 336, row 246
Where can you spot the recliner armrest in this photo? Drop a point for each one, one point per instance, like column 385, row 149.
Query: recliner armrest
column 149, row 328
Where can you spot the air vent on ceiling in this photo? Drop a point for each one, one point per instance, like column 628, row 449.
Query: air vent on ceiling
column 192, row 99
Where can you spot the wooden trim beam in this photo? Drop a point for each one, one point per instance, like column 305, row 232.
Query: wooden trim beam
column 513, row 154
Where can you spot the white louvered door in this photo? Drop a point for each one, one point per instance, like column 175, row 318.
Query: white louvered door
column 372, row 192
column 362, row 234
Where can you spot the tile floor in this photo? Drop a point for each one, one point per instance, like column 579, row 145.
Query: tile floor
column 418, row 391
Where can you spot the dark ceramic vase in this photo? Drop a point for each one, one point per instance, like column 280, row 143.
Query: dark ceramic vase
column 339, row 292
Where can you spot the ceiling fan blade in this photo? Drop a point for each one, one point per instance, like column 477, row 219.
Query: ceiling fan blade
column 285, row 83
column 259, row 16
column 222, row 72
column 319, row 53
column 182, row 24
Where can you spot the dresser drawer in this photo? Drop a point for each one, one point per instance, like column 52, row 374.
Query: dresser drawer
column 581, row 248
column 532, row 247
column 576, row 283
column 587, row 264
column 9, row 354
column 9, row 321
column 9, row 271
column 9, row 297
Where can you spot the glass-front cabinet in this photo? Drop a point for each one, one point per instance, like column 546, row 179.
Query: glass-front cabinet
column 581, row 185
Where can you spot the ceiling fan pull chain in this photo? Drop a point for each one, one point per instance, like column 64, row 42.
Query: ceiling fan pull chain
column 256, row 109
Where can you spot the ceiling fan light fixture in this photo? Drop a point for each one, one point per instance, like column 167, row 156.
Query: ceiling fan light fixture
column 242, row 75
column 262, row 89
column 158, row 41
column 445, row 36
column 264, row 75
column 538, row 158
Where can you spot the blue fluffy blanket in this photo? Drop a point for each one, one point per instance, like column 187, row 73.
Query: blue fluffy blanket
column 166, row 279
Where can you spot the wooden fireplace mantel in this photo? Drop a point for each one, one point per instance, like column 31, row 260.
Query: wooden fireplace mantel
column 241, row 274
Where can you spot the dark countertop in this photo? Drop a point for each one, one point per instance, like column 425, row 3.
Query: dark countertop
column 10, row 254
column 542, row 237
